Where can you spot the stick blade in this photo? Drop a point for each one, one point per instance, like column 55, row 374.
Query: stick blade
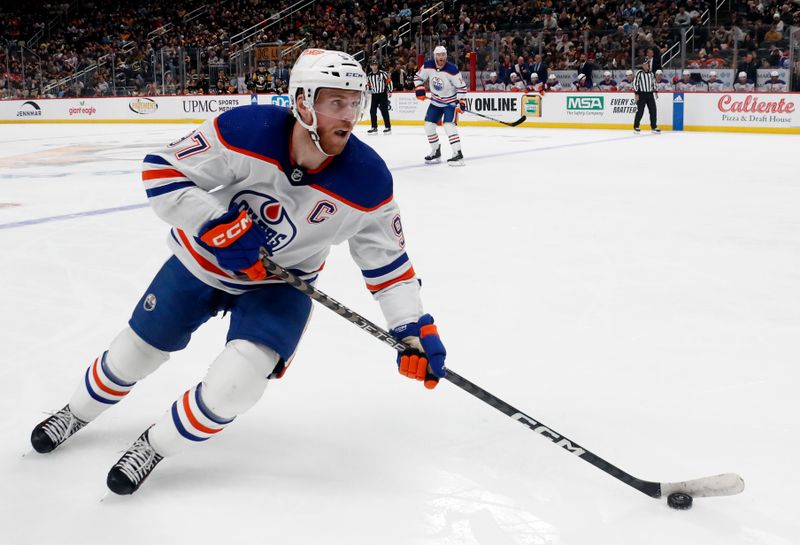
column 519, row 121
column 727, row 484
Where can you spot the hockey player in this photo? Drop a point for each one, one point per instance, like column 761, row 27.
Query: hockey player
column 607, row 84
column 626, row 84
column 288, row 182
column 448, row 96
column 536, row 86
column 580, row 83
column 743, row 84
column 516, row 85
column 552, row 83
column 714, row 83
column 662, row 83
column 685, row 83
column 493, row 84
column 775, row 84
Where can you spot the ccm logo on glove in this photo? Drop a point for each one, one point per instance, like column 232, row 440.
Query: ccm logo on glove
column 224, row 235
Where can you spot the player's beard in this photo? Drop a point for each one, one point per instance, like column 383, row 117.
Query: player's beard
column 332, row 140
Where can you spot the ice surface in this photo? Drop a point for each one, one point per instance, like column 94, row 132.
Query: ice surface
column 638, row 294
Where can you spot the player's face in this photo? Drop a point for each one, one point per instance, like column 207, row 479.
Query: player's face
column 440, row 59
column 337, row 111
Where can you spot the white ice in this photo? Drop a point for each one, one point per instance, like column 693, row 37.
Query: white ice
column 638, row 294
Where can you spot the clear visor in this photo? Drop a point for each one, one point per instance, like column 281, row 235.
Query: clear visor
column 343, row 105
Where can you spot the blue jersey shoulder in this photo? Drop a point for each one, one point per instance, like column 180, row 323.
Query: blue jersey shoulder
column 451, row 69
column 245, row 127
column 358, row 176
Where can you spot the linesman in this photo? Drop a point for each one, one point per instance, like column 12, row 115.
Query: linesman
column 379, row 83
column 644, row 85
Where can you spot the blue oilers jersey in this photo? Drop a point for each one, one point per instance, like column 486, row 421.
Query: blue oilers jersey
column 446, row 84
column 242, row 158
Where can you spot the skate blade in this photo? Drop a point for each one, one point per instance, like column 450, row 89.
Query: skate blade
column 27, row 453
column 456, row 163
column 433, row 162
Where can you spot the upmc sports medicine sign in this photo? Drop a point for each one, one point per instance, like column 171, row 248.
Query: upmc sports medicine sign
column 740, row 111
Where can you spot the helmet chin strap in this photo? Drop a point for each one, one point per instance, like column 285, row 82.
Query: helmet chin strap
column 312, row 130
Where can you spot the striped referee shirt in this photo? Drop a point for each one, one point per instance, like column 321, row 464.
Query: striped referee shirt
column 380, row 82
column 644, row 82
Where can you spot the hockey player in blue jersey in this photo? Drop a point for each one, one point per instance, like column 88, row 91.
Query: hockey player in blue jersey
column 292, row 183
column 448, row 96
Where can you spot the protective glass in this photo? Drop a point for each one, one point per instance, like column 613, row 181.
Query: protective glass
column 339, row 104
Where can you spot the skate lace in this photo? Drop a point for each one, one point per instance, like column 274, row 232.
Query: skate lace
column 61, row 426
column 138, row 461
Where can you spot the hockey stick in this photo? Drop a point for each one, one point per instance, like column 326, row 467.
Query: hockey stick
column 718, row 485
column 512, row 124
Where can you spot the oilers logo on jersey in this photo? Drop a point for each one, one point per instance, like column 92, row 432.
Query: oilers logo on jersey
column 270, row 215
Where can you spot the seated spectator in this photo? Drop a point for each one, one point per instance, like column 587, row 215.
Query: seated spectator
column 716, row 61
column 626, row 84
column 714, row 84
column 773, row 35
column 607, row 84
column 552, row 83
column 774, row 84
column 662, row 83
column 493, row 84
column 743, row 84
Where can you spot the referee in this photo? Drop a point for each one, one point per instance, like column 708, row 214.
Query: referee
column 379, row 83
column 644, row 85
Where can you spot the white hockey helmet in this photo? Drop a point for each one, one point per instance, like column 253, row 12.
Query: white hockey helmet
column 316, row 69
column 713, row 73
column 606, row 74
column 774, row 74
column 440, row 49
column 743, row 74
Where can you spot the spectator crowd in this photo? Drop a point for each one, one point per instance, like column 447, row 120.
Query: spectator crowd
column 143, row 47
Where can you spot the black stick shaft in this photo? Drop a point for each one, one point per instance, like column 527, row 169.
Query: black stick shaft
column 512, row 124
column 650, row 488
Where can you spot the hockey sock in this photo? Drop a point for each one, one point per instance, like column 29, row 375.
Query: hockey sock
column 234, row 383
column 100, row 389
column 188, row 421
column 452, row 134
column 433, row 138
column 111, row 376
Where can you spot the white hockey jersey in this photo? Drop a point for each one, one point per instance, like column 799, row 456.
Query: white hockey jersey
column 447, row 85
column 774, row 86
column 242, row 159
column 717, row 85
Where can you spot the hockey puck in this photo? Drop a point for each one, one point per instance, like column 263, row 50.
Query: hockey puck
column 679, row 500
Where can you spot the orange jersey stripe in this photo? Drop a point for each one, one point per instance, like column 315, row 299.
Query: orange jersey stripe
column 202, row 261
column 405, row 276
column 196, row 423
column 161, row 173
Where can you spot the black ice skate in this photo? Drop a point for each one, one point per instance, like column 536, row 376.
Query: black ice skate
column 387, row 130
column 134, row 467
column 637, row 130
column 53, row 431
column 435, row 156
column 456, row 160
column 373, row 130
column 656, row 130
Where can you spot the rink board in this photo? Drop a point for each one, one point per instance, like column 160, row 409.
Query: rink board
column 724, row 112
